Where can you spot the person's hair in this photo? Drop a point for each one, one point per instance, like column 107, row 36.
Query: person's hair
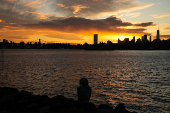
column 83, row 82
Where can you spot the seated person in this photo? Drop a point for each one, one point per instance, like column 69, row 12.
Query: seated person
column 84, row 90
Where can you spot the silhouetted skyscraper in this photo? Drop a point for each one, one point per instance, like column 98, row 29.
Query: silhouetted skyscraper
column 145, row 38
column 95, row 38
column 133, row 40
column 157, row 37
column 142, row 38
column 150, row 39
column 39, row 41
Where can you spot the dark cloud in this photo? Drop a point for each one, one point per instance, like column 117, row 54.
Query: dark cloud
column 76, row 24
column 165, row 36
column 167, row 28
column 93, row 8
column 20, row 11
column 17, row 12
column 19, row 37
column 145, row 24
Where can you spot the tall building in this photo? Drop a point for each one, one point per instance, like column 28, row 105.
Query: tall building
column 95, row 38
column 145, row 38
column 142, row 38
column 133, row 40
column 5, row 41
column 39, row 42
column 157, row 37
column 150, row 39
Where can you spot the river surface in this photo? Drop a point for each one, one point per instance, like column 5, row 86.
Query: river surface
column 140, row 79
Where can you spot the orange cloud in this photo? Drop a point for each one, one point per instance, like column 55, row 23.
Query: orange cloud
column 94, row 8
column 1, row 21
column 11, row 0
column 63, row 35
column 33, row 4
column 160, row 16
column 132, row 15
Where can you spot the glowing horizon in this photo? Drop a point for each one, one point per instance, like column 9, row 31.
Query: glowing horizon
column 60, row 21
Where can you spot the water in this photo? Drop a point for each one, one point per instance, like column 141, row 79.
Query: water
column 140, row 79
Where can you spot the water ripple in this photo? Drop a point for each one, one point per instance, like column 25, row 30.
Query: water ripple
column 141, row 79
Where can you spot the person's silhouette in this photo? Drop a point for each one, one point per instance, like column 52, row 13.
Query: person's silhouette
column 84, row 90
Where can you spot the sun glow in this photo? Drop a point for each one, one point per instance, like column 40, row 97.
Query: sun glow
column 122, row 37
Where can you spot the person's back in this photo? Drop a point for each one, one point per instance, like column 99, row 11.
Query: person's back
column 84, row 90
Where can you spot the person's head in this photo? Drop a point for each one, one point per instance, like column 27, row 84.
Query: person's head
column 83, row 82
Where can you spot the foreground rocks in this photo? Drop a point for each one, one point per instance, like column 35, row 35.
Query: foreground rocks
column 14, row 101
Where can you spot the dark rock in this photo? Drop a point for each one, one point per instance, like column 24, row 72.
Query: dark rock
column 7, row 98
column 58, row 103
column 69, row 110
column 12, row 101
column 71, row 102
column 7, row 91
column 38, row 99
column 33, row 106
column 105, row 110
column 82, row 103
column 44, row 109
column 59, row 98
column 121, row 108
column 23, row 102
column 4, row 111
column 107, row 106
column 86, row 107
column 31, row 111
column 10, row 90
column 25, row 93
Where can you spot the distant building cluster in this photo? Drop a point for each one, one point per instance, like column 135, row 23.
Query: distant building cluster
column 29, row 45
column 21, row 45
column 140, row 44
column 144, row 39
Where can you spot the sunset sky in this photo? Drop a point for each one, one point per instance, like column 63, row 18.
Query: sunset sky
column 76, row 21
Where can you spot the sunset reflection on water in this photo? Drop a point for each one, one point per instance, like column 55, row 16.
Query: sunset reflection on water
column 140, row 79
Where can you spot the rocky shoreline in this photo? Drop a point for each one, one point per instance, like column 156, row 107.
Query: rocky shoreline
column 14, row 101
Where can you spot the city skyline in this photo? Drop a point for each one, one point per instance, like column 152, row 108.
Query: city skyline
column 63, row 21
column 143, row 38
